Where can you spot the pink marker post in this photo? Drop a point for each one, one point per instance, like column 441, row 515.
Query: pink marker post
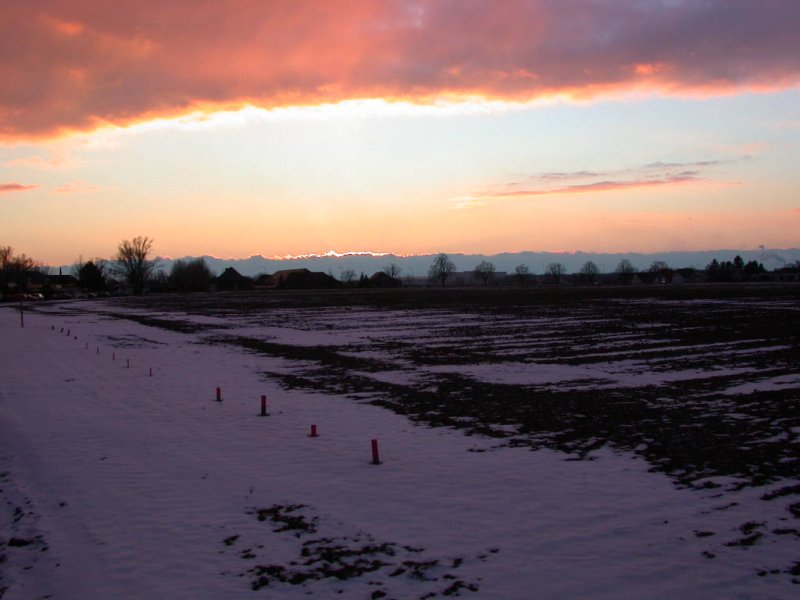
column 313, row 431
column 376, row 460
column 263, row 406
column 219, row 394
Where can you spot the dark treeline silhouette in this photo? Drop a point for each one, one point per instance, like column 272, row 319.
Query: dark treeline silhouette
column 736, row 270
column 133, row 271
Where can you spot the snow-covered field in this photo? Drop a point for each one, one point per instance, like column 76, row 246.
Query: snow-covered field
column 121, row 476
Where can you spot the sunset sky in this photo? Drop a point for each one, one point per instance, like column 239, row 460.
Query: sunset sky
column 287, row 127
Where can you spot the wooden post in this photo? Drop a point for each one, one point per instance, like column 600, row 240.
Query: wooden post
column 376, row 460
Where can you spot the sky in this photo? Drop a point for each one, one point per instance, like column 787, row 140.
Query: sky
column 406, row 126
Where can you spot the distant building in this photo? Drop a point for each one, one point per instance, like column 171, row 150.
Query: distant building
column 303, row 279
column 265, row 281
column 786, row 274
column 382, row 280
column 231, row 280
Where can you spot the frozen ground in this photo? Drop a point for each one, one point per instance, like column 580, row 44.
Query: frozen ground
column 115, row 483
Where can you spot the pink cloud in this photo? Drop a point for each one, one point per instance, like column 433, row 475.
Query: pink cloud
column 14, row 187
column 78, row 187
column 603, row 186
column 80, row 64
column 655, row 174
column 56, row 160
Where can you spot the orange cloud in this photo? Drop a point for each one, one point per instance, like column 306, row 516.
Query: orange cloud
column 14, row 187
column 71, row 65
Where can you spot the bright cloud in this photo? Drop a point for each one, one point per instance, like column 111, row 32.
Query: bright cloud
column 71, row 65
column 332, row 254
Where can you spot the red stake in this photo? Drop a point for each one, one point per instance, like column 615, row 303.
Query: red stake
column 375, row 458
column 263, row 406
column 313, row 431
column 219, row 394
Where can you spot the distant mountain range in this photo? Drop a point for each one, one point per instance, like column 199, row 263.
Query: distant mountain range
column 417, row 265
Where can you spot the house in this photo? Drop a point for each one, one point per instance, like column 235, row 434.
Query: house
column 231, row 280
column 303, row 279
column 279, row 277
column 62, row 286
column 265, row 281
column 14, row 282
column 789, row 274
column 382, row 280
column 60, row 282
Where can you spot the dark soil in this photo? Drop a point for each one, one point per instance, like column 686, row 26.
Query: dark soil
column 348, row 557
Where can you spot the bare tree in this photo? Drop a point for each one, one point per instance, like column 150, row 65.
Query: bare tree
column 10, row 262
column 441, row 268
column 485, row 272
column 522, row 273
column 625, row 266
column 15, row 269
column 625, row 270
column 658, row 266
column 191, row 275
column 6, row 254
column 392, row 270
column 132, row 262
column 589, row 272
column 555, row 271
column 348, row 276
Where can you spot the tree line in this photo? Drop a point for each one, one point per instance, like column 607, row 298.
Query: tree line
column 589, row 273
column 133, row 268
